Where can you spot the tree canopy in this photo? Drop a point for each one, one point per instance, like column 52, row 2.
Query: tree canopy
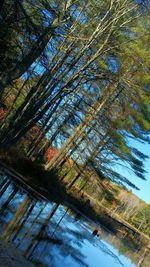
column 78, row 70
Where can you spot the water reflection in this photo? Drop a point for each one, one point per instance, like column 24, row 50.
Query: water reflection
column 49, row 234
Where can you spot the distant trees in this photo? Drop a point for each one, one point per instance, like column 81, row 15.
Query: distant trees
column 129, row 204
column 142, row 219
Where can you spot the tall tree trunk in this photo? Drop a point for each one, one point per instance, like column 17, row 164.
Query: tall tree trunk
column 143, row 258
column 35, row 52
column 82, row 169
column 77, row 133
column 92, row 113
column 48, row 143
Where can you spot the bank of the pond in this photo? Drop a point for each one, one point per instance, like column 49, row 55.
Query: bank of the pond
column 54, row 235
column 46, row 184
column 11, row 257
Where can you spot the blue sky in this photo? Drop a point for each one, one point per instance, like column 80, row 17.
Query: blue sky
column 144, row 192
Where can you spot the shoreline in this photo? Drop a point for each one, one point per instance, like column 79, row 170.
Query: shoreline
column 75, row 204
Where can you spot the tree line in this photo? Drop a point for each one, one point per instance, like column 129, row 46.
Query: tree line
column 79, row 71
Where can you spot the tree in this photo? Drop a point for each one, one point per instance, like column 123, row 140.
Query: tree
column 74, row 68
column 36, row 36
column 71, row 77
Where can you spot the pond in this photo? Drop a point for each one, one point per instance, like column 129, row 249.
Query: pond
column 49, row 234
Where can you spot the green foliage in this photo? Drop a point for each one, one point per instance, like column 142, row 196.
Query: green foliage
column 142, row 219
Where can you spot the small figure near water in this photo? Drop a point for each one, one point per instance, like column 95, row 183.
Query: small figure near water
column 95, row 232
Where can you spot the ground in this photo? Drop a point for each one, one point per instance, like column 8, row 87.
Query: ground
column 11, row 257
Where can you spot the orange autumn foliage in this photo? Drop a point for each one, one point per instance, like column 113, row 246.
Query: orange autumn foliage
column 10, row 99
column 70, row 162
column 114, row 204
column 2, row 112
column 50, row 153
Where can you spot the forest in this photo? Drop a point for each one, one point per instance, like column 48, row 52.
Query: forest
column 74, row 96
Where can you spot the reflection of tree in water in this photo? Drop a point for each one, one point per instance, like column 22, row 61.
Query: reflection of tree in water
column 4, row 183
column 63, row 249
column 48, row 239
column 14, row 223
column 35, row 240
column 103, row 247
column 32, row 222
column 77, row 237
column 33, row 230
column 24, row 220
column 10, row 198
column 72, row 241
column 80, row 237
column 4, row 187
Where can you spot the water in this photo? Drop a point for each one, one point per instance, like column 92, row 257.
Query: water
column 52, row 235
